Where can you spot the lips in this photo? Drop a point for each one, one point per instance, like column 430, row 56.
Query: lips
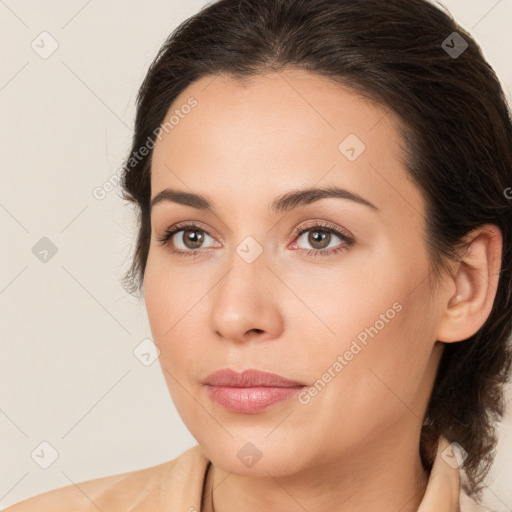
column 249, row 392
column 248, row 378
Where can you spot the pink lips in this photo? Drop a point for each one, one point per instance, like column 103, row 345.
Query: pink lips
column 249, row 392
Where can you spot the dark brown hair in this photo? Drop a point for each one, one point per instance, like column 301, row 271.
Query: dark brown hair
column 456, row 129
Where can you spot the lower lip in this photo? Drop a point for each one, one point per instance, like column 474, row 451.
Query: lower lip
column 250, row 400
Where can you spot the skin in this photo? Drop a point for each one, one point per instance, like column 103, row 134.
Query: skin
column 355, row 445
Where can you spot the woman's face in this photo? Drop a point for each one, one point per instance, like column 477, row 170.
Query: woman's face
column 343, row 309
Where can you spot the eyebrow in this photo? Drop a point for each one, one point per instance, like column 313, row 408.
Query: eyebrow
column 283, row 203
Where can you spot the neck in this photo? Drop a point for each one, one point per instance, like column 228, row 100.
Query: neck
column 373, row 477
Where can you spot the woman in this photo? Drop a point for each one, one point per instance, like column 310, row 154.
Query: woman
column 325, row 256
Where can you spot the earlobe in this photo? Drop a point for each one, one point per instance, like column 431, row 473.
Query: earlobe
column 476, row 281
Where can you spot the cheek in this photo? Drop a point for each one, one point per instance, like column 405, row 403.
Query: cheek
column 168, row 293
column 354, row 303
column 385, row 344
column 382, row 322
column 174, row 306
column 161, row 297
column 156, row 298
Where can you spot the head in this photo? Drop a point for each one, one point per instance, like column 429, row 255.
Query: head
column 404, row 273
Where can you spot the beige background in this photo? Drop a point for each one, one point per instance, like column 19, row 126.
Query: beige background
column 68, row 330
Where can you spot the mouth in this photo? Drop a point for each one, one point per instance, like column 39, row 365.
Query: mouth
column 251, row 391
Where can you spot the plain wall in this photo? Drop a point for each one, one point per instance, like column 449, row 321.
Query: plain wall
column 68, row 329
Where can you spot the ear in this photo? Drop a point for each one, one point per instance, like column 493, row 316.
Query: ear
column 475, row 282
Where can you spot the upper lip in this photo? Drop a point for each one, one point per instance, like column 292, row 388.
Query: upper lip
column 248, row 378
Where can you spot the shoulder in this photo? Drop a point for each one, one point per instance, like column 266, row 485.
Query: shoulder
column 146, row 488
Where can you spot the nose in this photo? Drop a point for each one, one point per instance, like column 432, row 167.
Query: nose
column 246, row 304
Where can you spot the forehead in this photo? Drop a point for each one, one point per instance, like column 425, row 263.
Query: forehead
column 277, row 131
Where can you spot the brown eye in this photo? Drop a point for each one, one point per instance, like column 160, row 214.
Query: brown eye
column 192, row 238
column 323, row 239
column 319, row 239
column 186, row 239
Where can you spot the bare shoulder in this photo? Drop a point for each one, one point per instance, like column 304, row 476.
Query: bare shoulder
column 110, row 493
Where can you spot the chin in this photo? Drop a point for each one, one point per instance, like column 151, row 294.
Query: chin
column 254, row 453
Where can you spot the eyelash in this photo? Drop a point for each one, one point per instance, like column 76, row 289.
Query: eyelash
column 346, row 239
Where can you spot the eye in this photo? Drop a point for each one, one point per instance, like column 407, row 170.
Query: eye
column 320, row 236
column 185, row 239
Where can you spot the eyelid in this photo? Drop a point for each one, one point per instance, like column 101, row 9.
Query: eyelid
column 191, row 224
column 321, row 224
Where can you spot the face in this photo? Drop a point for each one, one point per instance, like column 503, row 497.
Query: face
column 328, row 291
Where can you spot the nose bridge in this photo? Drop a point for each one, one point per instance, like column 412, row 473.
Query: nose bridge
column 247, row 271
